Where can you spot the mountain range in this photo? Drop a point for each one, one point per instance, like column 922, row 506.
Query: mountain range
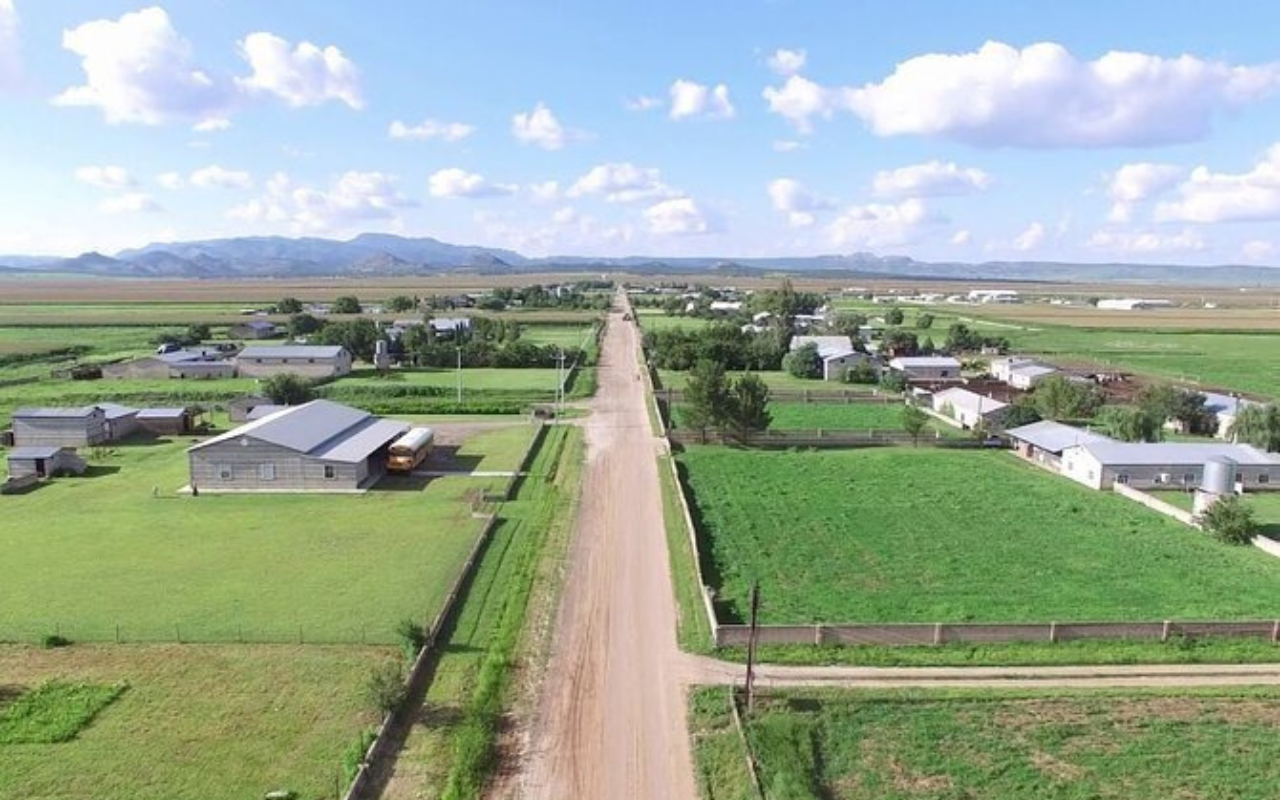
column 380, row 254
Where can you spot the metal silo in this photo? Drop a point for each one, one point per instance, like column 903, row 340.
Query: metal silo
column 1219, row 476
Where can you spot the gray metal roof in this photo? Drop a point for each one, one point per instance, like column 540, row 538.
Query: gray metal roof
column 57, row 413
column 827, row 345
column 1054, row 437
column 969, row 401
column 293, row 351
column 1032, row 370
column 355, row 445
column 321, row 429
column 263, row 409
column 1172, row 454
column 161, row 413
column 28, row 453
column 924, row 361
column 1225, row 404
column 116, row 411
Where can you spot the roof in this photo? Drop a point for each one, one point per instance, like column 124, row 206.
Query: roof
column 184, row 356
column 1033, row 370
column 294, row 351
column 321, row 429
column 257, row 324
column 356, row 445
column 1176, row 453
column 27, row 453
column 440, row 324
column 263, row 409
column 1224, row 404
column 162, row 413
column 1054, row 437
column 969, row 401
column 924, row 361
column 248, row 401
column 57, row 413
column 116, row 411
column 827, row 345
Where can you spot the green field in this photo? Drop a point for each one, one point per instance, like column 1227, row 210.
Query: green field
column 1265, row 505
column 473, row 379
column 195, row 722
column 907, row 535
column 885, row 417
column 655, row 319
column 672, row 379
column 219, row 567
column 567, row 336
column 994, row 746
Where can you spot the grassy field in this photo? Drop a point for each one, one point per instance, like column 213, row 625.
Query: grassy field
column 652, row 319
column 562, row 335
column 905, row 535
column 776, row 380
column 473, row 379
column 214, row 568
column 196, row 722
column 994, row 746
column 885, row 417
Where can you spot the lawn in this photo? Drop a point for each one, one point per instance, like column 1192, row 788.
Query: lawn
column 672, row 379
column 195, row 722
column 567, row 336
column 996, row 746
column 885, row 417
column 1265, row 505
column 654, row 319
column 907, row 535
column 85, row 555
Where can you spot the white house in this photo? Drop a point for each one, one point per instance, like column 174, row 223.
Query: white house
column 1027, row 376
column 927, row 368
column 837, row 354
column 1165, row 464
column 725, row 306
column 969, row 409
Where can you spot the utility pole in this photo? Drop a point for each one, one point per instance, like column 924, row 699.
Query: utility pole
column 559, row 384
column 751, row 646
column 459, row 348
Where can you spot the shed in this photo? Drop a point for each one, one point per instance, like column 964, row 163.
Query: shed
column 1043, row 442
column 927, row 368
column 84, row 426
column 255, row 329
column 967, row 408
column 239, row 408
column 166, row 421
column 44, row 462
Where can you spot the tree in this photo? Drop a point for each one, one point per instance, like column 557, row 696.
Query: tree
column 925, row 321
column 914, row 422
column 927, row 347
column 1058, row 398
column 1183, row 406
column 359, row 336
column 1132, row 424
column 1230, row 520
column 1259, row 426
column 346, row 304
column 897, row 342
column 198, row 332
column 287, row 389
column 400, row 302
column 289, row 305
column 304, row 325
column 847, row 323
column 892, row 381
column 863, row 371
column 706, row 396
column 1021, row 411
column 894, row 316
column 748, row 407
column 803, row 362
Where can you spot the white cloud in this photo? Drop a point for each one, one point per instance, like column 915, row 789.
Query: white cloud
column 1030, row 238
column 1038, row 96
column 690, row 99
column 10, row 62
column 545, row 191
column 106, row 177
column 214, row 176
column 930, row 179
column 1132, row 184
column 787, row 62
column 171, row 180
column 787, row 145
column 454, row 182
column 1126, row 242
column 130, row 203
column 306, row 75
column 139, row 69
column 431, row 129
column 961, row 238
column 881, row 225
column 1225, row 197
column 789, row 197
column 1258, row 250
column 679, row 216
column 642, row 103
column 564, row 216
column 540, row 127
column 622, row 183
column 211, row 124
column 350, row 200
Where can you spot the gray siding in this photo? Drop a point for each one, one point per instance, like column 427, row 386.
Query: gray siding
column 1148, row 477
column 293, row 472
column 59, row 432
column 307, row 368
column 142, row 368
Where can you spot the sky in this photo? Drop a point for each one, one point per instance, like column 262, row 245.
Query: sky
column 984, row 130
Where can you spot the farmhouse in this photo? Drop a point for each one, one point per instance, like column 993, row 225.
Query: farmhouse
column 320, row 446
column 1020, row 372
column 255, row 329
column 837, row 354
column 1043, row 442
column 60, row 427
column 309, row 361
column 969, row 409
column 1165, row 464
column 927, row 368
column 43, row 462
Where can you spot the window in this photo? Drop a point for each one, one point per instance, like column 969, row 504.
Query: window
column 1264, row 477
column 1188, row 477
column 1122, row 479
column 311, row 361
column 267, row 472
column 224, row 472
column 329, row 472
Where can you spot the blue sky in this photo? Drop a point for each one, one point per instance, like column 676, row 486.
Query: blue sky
column 1087, row 131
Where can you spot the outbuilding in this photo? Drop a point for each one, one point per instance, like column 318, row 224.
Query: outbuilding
column 927, row 368
column 84, row 426
column 255, row 329
column 44, row 462
column 167, row 421
column 308, row 361
column 1043, row 442
column 1166, row 465
column 836, row 352
column 967, row 408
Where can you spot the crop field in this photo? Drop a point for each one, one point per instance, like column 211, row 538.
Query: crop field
column 567, row 336
column 206, row 722
column 219, row 568
column 654, row 320
column 997, row 746
column 837, row 417
column 672, row 379
column 474, row 378
column 907, row 535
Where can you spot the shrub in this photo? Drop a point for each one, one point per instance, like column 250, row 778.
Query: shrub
column 412, row 636
column 386, row 690
column 1230, row 521
column 353, row 755
column 53, row 640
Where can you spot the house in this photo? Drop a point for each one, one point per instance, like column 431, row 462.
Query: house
column 725, row 306
column 1001, row 368
column 167, row 421
column 309, row 361
column 319, row 446
column 44, row 462
column 926, row 368
column 239, row 408
column 450, row 327
column 193, row 364
column 1226, row 408
column 60, row 427
column 837, row 354
column 969, row 409
column 1026, row 376
column 255, row 329
column 1165, row 464
column 1043, row 442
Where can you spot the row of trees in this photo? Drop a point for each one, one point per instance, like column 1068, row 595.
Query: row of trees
column 738, row 407
column 727, row 345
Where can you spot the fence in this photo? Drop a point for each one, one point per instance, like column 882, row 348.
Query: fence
column 1155, row 504
column 816, row 396
column 819, row 438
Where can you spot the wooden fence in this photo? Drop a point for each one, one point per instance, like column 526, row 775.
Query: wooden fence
column 820, row 438
column 823, row 396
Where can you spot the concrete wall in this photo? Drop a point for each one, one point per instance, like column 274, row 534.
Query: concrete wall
column 293, row 472
column 60, row 432
column 1154, row 503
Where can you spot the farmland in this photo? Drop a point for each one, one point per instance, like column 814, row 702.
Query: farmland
column 195, row 722
column 998, row 746
column 222, row 568
column 906, row 535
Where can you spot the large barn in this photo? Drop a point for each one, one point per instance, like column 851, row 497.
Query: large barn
column 309, row 361
column 320, row 446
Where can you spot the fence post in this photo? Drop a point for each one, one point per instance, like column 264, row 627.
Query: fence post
column 1275, row 632
column 177, row 632
column 117, row 633
column 1164, row 631
column 1053, row 632
column 818, row 631
column 937, row 633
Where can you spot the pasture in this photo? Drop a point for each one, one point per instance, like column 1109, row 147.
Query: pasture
column 218, row 568
column 195, row 722
column 880, row 745
column 926, row 535
column 672, row 379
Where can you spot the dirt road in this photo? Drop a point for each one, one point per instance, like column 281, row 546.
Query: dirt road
column 611, row 720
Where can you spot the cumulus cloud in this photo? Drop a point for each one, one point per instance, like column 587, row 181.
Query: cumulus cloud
column 787, row 62
column 429, row 130
column 1208, row 196
column 882, row 225
column 1038, row 96
column 106, row 177
column 454, row 182
column 214, row 176
column 171, row 180
column 930, row 179
column 1134, row 242
column 545, row 191
column 642, row 103
column 1132, row 184
column 10, row 62
column 303, row 75
column 351, row 199
column 129, row 203
column 1258, row 250
column 540, row 128
column 680, row 216
column 622, row 182
column 789, row 197
column 1030, row 238
column 690, row 99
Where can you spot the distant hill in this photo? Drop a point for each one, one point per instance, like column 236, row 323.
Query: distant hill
column 383, row 254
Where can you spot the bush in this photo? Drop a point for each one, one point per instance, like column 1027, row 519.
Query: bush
column 863, row 372
column 412, row 636
column 287, row 389
column 353, row 755
column 386, row 689
column 1230, row 521
column 53, row 640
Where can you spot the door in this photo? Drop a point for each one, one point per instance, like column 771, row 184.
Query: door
column 40, row 468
